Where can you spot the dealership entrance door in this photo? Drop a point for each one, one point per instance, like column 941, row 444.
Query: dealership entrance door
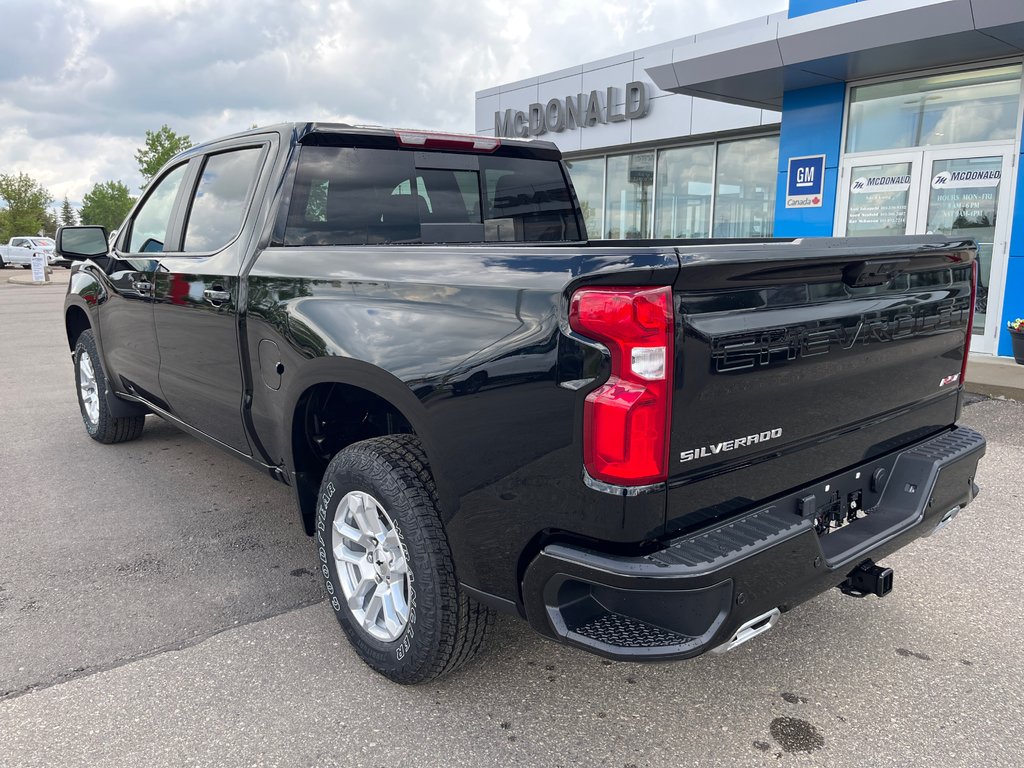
column 956, row 192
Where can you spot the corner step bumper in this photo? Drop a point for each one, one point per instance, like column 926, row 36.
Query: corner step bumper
column 702, row 590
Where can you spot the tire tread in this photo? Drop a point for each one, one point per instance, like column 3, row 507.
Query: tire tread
column 108, row 429
column 461, row 639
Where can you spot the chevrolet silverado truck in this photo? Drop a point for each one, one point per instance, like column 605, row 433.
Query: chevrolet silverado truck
column 646, row 449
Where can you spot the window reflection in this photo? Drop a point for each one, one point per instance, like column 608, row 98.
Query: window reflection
column 747, row 173
column 588, row 181
column 621, row 200
column 951, row 108
column 220, row 200
column 628, row 205
column 963, row 201
column 683, row 206
column 149, row 229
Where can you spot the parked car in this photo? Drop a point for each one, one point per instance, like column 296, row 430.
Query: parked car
column 646, row 449
column 19, row 250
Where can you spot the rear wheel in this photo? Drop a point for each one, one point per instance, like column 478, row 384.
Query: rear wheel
column 388, row 566
column 91, row 382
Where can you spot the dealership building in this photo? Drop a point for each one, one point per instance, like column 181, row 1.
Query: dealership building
column 834, row 117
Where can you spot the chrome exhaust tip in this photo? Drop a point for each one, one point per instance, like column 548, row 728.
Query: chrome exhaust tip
column 946, row 520
column 750, row 629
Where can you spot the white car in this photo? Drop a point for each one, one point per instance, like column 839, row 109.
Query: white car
column 20, row 249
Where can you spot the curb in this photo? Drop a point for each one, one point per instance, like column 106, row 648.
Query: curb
column 29, row 282
column 995, row 377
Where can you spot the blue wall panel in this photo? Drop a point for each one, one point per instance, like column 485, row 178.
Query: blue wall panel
column 807, row 222
column 1013, row 298
column 812, row 124
column 803, row 7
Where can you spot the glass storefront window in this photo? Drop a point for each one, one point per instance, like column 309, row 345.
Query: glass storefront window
column 628, row 203
column 879, row 200
column 952, row 108
column 588, row 181
column 747, row 172
column 683, row 205
column 620, row 199
column 963, row 200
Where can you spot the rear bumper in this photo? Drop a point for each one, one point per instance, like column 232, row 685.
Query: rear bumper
column 700, row 590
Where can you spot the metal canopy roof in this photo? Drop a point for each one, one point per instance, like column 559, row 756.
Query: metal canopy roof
column 754, row 65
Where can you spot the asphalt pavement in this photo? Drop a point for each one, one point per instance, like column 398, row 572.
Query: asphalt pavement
column 158, row 606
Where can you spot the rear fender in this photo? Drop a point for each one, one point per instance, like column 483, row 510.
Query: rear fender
column 355, row 373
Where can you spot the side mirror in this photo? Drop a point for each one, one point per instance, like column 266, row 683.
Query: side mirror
column 78, row 243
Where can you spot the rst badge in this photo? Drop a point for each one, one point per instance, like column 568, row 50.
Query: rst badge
column 730, row 445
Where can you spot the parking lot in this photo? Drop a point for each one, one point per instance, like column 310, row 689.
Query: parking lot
column 159, row 606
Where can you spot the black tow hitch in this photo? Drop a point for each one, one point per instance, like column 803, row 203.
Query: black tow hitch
column 868, row 579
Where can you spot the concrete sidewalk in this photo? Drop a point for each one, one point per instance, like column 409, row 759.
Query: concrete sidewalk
column 995, row 376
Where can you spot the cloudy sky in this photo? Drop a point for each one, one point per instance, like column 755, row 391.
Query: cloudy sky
column 82, row 80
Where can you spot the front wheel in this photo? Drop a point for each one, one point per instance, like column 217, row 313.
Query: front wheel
column 91, row 382
column 388, row 566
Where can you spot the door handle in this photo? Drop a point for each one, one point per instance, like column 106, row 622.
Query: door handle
column 216, row 296
column 142, row 286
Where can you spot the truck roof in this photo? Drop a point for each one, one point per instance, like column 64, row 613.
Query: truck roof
column 299, row 131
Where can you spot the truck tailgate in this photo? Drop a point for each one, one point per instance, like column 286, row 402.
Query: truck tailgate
column 796, row 360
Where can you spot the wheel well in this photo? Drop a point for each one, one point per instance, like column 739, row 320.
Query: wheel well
column 329, row 417
column 75, row 321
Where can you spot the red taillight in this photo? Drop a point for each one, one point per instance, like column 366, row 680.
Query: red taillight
column 431, row 140
column 626, row 420
column 970, row 322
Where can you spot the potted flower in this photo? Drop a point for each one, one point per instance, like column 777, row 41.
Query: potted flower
column 1016, row 328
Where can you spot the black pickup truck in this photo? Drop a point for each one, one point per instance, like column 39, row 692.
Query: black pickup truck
column 646, row 449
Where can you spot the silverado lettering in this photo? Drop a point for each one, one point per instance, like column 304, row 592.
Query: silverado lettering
column 729, row 445
column 477, row 408
column 739, row 351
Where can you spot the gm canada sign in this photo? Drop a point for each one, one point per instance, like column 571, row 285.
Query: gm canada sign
column 584, row 110
column 805, row 182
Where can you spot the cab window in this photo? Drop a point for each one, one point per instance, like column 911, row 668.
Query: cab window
column 149, row 228
column 365, row 196
column 221, row 198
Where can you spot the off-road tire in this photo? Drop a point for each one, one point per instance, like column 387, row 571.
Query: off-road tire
column 105, row 428
column 445, row 628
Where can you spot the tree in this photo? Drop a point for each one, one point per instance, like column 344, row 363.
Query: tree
column 106, row 204
column 67, row 214
column 160, row 147
column 51, row 223
column 27, row 206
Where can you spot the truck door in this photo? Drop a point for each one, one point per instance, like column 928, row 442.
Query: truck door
column 127, row 334
column 196, row 295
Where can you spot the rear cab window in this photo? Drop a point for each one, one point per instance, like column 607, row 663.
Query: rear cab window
column 364, row 195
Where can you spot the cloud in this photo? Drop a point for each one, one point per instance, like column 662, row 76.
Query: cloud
column 82, row 80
